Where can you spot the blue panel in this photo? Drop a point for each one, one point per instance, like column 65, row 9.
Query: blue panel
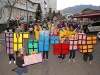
column 41, row 38
column 46, row 43
column 46, row 48
column 46, row 38
column 41, row 43
column 56, row 41
column 57, row 37
column 47, row 32
column 41, row 32
column 52, row 38
column 52, row 42
column 40, row 48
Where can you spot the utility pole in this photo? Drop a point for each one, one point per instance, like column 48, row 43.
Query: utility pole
column 27, row 12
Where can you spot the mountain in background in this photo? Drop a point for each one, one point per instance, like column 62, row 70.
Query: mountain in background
column 79, row 8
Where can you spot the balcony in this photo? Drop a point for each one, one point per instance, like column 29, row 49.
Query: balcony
column 35, row 1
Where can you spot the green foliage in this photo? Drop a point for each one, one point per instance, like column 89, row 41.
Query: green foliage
column 38, row 13
column 12, row 23
column 86, row 9
column 54, row 14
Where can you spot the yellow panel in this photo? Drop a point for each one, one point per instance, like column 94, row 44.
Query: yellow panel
column 85, row 47
column 20, row 38
column 15, row 39
column 90, row 50
column 25, row 35
column 89, row 37
column 94, row 37
column 94, row 41
column 89, row 42
column 90, row 46
column 19, row 45
column 15, row 47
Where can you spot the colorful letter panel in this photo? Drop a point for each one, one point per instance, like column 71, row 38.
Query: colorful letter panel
column 18, row 42
column 54, row 39
column 9, row 43
column 73, row 44
column 81, row 38
column 44, row 32
column 86, row 48
column 91, row 40
column 61, row 48
column 33, row 59
column 32, row 46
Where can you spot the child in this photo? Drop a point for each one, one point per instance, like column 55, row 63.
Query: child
column 86, row 56
column 72, row 52
column 63, row 40
column 31, row 30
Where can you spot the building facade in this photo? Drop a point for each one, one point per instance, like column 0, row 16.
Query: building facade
column 21, row 10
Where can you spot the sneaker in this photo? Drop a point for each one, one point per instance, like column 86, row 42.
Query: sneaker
column 69, row 60
column 14, row 69
column 10, row 62
column 90, row 62
column 73, row 60
column 46, row 60
column 14, row 62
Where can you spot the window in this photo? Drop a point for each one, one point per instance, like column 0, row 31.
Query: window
column 96, row 24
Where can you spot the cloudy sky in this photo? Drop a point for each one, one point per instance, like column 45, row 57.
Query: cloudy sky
column 61, row 4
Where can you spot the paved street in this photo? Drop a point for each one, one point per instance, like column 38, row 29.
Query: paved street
column 55, row 66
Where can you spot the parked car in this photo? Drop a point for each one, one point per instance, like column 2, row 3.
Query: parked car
column 94, row 27
column 98, row 35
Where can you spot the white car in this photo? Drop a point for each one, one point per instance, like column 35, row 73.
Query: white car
column 98, row 35
column 94, row 27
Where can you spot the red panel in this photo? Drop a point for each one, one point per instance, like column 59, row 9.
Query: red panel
column 57, row 46
column 57, row 51
column 65, row 51
column 65, row 46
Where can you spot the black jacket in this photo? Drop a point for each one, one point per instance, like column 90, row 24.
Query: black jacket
column 20, row 62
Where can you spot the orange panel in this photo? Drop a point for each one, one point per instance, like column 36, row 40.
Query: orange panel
column 89, row 37
column 89, row 42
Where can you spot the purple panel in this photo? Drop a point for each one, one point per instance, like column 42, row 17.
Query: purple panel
column 7, row 50
column 7, row 43
column 11, row 39
column 11, row 51
column 11, row 45
column 7, row 39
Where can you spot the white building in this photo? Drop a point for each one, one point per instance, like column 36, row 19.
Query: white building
column 21, row 10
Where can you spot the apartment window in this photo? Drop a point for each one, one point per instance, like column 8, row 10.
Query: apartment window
column 20, row 11
column 32, row 4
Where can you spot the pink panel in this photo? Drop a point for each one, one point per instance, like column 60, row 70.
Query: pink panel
column 7, row 39
column 7, row 34
column 84, row 37
column 79, row 41
column 83, row 42
column 11, row 35
column 80, row 36
column 32, row 59
column 71, row 42
column 70, row 47
column 11, row 45
column 11, row 39
column 11, row 51
column 7, row 50
column 74, row 47
column 7, row 44
column 75, row 42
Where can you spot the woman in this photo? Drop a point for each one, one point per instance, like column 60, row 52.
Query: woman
column 20, row 62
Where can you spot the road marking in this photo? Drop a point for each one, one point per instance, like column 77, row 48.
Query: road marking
column 2, row 47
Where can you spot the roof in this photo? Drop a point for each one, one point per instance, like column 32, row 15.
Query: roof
column 95, row 15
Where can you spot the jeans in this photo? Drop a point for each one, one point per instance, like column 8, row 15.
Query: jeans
column 20, row 71
column 72, row 54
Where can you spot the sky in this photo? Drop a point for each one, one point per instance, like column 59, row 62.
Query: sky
column 61, row 4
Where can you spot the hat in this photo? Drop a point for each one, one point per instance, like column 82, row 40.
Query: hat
column 21, row 49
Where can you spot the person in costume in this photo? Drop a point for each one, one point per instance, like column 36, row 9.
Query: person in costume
column 63, row 40
column 36, row 30
column 62, row 32
column 21, row 67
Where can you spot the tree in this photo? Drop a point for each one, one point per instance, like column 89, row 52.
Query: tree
column 49, row 16
column 10, row 4
column 58, row 13
column 38, row 13
column 86, row 9
column 54, row 14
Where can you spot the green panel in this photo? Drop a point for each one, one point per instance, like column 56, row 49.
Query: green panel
column 35, row 45
column 35, row 41
column 36, row 50
column 30, row 45
column 30, row 50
